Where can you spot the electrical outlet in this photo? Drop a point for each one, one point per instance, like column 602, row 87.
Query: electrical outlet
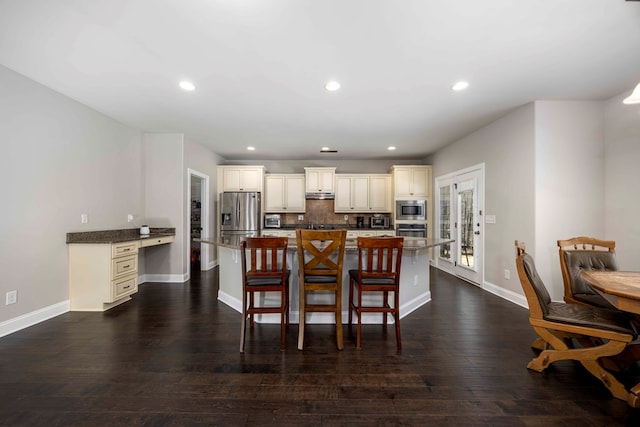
column 300, row 217
column 346, row 217
column 129, row 217
column 507, row 274
column 12, row 297
column 84, row 218
column 415, row 280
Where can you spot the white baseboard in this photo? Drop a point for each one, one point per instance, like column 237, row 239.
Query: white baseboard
column 211, row 265
column 163, row 278
column 506, row 294
column 326, row 318
column 21, row 322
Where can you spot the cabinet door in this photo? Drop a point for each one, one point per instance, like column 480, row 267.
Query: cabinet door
column 343, row 194
column 360, row 194
column 412, row 181
column 294, row 193
column 319, row 179
column 380, row 193
column 241, row 179
column 274, row 193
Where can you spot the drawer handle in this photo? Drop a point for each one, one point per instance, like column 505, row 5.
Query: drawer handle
column 127, row 287
column 127, row 266
column 126, row 250
column 159, row 240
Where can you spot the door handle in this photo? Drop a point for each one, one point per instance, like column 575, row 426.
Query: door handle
column 476, row 232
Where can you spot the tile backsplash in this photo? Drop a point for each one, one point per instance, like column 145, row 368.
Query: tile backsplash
column 322, row 212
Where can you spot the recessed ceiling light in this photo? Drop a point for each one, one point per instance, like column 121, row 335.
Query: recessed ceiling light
column 187, row 85
column 391, row 148
column 251, row 148
column 461, row 85
column 332, row 86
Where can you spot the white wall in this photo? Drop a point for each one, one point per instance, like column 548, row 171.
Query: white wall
column 164, row 196
column 569, row 170
column 506, row 146
column 59, row 159
column 622, row 177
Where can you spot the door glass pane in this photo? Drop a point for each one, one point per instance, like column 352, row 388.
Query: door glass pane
column 445, row 220
column 465, row 202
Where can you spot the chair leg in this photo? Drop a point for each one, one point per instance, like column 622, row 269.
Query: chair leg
column 283, row 319
column 243, row 326
column 301, row 310
column 385, row 304
column 396, row 314
column 359, row 314
column 339, row 337
column 350, row 302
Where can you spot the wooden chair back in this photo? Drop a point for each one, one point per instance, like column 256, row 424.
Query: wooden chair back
column 320, row 261
column 379, row 258
column 264, row 269
column 584, row 253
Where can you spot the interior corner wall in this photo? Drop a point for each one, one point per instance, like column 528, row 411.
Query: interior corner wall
column 164, row 195
column 506, row 146
column 622, row 175
column 203, row 160
column 60, row 159
column 569, row 180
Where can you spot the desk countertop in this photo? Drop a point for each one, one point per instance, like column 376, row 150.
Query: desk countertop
column 117, row 236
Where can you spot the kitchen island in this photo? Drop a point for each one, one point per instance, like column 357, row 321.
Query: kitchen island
column 414, row 279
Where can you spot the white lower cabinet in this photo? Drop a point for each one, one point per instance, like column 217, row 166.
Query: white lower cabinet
column 103, row 275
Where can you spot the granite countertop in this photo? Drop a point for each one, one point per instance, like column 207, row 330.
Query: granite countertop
column 410, row 243
column 326, row 227
column 116, row 236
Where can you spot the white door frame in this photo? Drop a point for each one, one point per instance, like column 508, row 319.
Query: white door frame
column 204, row 218
column 449, row 265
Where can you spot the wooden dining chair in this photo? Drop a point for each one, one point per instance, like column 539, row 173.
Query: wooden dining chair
column 583, row 333
column 320, row 261
column 266, row 271
column 379, row 262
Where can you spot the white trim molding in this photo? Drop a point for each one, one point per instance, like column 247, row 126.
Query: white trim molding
column 21, row 322
column 506, row 294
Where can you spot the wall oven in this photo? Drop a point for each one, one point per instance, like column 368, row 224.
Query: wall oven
column 411, row 210
column 411, row 230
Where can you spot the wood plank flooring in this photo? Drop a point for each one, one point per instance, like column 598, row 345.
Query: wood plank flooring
column 170, row 357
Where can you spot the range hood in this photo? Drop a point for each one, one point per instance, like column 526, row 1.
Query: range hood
column 320, row 195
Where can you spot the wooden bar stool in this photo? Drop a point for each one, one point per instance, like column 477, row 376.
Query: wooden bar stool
column 267, row 272
column 379, row 261
column 321, row 256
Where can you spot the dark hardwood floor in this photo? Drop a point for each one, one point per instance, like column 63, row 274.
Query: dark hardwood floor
column 170, row 357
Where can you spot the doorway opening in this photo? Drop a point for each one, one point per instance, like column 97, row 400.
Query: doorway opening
column 459, row 200
column 198, row 224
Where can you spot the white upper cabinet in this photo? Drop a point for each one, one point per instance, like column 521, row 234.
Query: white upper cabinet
column 380, row 195
column 411, row 181
column 362, row 193
column 319, row 179
column 241, row 178
column 284, row 193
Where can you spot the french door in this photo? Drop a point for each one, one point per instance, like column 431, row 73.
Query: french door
column 459, row 199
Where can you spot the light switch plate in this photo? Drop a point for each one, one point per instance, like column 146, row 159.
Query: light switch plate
column 490, row 219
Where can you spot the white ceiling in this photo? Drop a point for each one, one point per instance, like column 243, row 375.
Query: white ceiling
column 260, row 65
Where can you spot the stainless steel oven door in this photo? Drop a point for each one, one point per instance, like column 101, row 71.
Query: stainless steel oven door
column 411, row 230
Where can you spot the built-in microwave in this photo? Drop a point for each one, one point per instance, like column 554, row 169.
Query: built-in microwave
column 411, row 210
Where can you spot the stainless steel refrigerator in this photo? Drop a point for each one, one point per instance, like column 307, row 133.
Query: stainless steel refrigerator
column 240, row 216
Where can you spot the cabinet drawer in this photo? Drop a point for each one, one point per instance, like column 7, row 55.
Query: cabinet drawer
column 124, row 248
column 152, row 241
column 125, row 265
column 123, row 287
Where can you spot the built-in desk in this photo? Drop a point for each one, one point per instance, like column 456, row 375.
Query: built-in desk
column 414, row 278
column 103, row 265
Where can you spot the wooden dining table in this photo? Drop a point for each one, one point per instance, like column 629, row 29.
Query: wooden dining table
column 622, row 290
